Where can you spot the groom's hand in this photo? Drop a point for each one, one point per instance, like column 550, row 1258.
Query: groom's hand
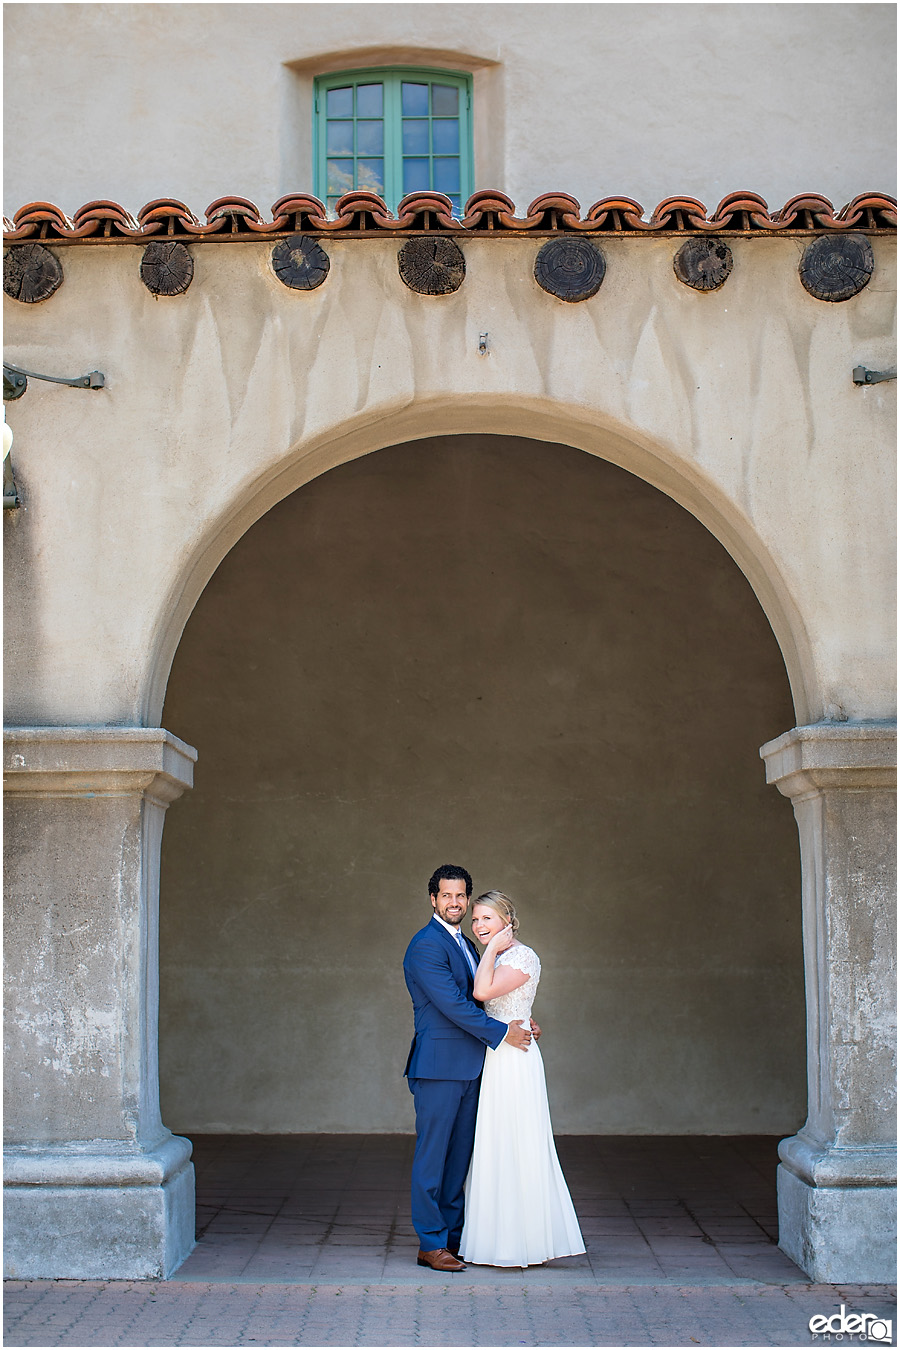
column 518, row 1036
column 535, row 1030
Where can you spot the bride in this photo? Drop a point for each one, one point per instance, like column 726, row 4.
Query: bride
column 518, row 1208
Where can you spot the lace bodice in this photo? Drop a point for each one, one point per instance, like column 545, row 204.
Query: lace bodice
column 516, row 1006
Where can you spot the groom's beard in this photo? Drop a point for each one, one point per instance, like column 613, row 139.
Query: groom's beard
column 452, row 914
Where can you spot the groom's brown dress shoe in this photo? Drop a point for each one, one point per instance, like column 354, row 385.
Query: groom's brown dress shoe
column 439, row 1260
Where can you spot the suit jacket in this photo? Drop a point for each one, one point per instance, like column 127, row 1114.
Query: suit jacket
column 452, row 1030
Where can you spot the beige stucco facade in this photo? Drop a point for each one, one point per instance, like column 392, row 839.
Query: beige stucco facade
column 688, row 487
column 587, row 99
column 223, row 402
column 739, row 404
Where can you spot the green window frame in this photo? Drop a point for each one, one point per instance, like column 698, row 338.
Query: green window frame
column 393, row 130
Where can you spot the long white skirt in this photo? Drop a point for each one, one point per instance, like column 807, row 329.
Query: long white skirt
column 518, row 1208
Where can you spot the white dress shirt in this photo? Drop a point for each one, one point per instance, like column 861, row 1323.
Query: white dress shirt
column 460, row 941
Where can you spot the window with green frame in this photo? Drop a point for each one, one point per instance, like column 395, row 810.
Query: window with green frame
column 394, row 131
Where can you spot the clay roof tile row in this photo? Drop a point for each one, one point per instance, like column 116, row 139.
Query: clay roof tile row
column 358, row 212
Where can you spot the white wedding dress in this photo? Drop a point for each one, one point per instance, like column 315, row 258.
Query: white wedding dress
column 518, row 1208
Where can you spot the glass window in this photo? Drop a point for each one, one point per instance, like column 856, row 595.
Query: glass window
column 394, row 132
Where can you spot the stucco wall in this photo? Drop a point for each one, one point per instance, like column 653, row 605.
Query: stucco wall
column 738, row 403
column 138, row 101
column 512, row 655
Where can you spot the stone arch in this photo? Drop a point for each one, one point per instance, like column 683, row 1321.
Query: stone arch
column 538, row 420
column 607, row 677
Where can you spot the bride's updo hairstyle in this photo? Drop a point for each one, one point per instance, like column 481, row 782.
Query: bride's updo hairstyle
column 502, row 905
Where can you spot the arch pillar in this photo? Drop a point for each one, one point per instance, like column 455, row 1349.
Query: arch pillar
column 95, row 1185
column 837, row 1176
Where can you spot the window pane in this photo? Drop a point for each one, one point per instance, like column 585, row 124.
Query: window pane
column 339, row 138
column 370, row 175
column 339, row 102
column 415, row 175
column 444, row 100
column 369, row 100
column 370, row 138
column 415, row 100
column 415, row 136
column 446, row 175
column 361, row 136
column 340, row 177
column 331, row 203
column 445, row 137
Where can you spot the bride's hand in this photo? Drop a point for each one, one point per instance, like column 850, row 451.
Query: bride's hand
column 500, row 941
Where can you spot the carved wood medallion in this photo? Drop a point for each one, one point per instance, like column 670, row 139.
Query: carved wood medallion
column 703, row 264
column 836, row 267
column 31, row 273
column 167, row 268
column 570, row 269
column 432, row 265
column 300, row 262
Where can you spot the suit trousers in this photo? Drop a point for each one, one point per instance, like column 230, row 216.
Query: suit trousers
column 445, row 1135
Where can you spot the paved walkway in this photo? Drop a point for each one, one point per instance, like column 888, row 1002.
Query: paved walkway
column 57, row 1313
column 306, row 1241
column 335, row 1208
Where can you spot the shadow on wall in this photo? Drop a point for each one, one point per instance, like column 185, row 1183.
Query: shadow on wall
column 515, row 656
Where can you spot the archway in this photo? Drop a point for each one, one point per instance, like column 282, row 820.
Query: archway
column 725, row 514
column 509, row 653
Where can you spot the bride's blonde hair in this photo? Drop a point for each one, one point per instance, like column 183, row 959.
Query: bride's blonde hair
column 502, row 905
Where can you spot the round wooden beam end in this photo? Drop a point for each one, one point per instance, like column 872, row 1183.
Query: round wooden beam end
column 300, row 262
column 31, row 273
column 570, row 269
column 432, row 265
column 167, row 268
column 703, row 264
column 837, row 267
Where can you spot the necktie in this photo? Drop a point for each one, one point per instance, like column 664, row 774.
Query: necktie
column 465, row 951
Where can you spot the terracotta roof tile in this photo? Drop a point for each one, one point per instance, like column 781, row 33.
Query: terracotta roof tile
column 359, row 213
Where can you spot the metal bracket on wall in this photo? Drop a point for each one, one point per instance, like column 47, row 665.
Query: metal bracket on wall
column 15, row 381
column 10, row 491
column 863, row 376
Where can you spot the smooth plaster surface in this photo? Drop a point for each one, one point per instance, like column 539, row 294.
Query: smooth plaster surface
column 214, row 411
column 218, row 403
column 135, row 102
column 512, row 655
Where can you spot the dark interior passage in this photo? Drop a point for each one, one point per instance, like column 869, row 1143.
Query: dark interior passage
column 518, row 657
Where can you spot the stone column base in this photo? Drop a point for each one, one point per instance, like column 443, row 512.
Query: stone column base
column 837, row 1179
column 838, row 1234
column 93, row 1211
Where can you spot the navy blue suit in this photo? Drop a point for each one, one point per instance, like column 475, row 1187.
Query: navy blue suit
column 444, row 1072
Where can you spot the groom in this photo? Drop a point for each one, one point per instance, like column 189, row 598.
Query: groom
column 445, row 1063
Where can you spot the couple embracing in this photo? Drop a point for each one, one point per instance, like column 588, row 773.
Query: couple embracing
column 487, row 1186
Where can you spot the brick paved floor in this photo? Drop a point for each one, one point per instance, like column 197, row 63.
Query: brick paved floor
column 306, row 1240
column 93, row 1313
column 335, row 1208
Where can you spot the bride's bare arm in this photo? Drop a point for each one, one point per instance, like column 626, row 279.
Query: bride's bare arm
column 491, row 982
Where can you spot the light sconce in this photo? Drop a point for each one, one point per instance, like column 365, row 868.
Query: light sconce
column 10, row 494
column 15, row 383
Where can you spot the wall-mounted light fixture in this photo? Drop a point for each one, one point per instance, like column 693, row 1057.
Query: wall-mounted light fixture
column 863, row 376
column 10, row 494
column 15, row 382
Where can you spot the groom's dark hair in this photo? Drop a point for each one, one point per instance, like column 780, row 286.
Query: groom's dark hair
column 449, row 873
